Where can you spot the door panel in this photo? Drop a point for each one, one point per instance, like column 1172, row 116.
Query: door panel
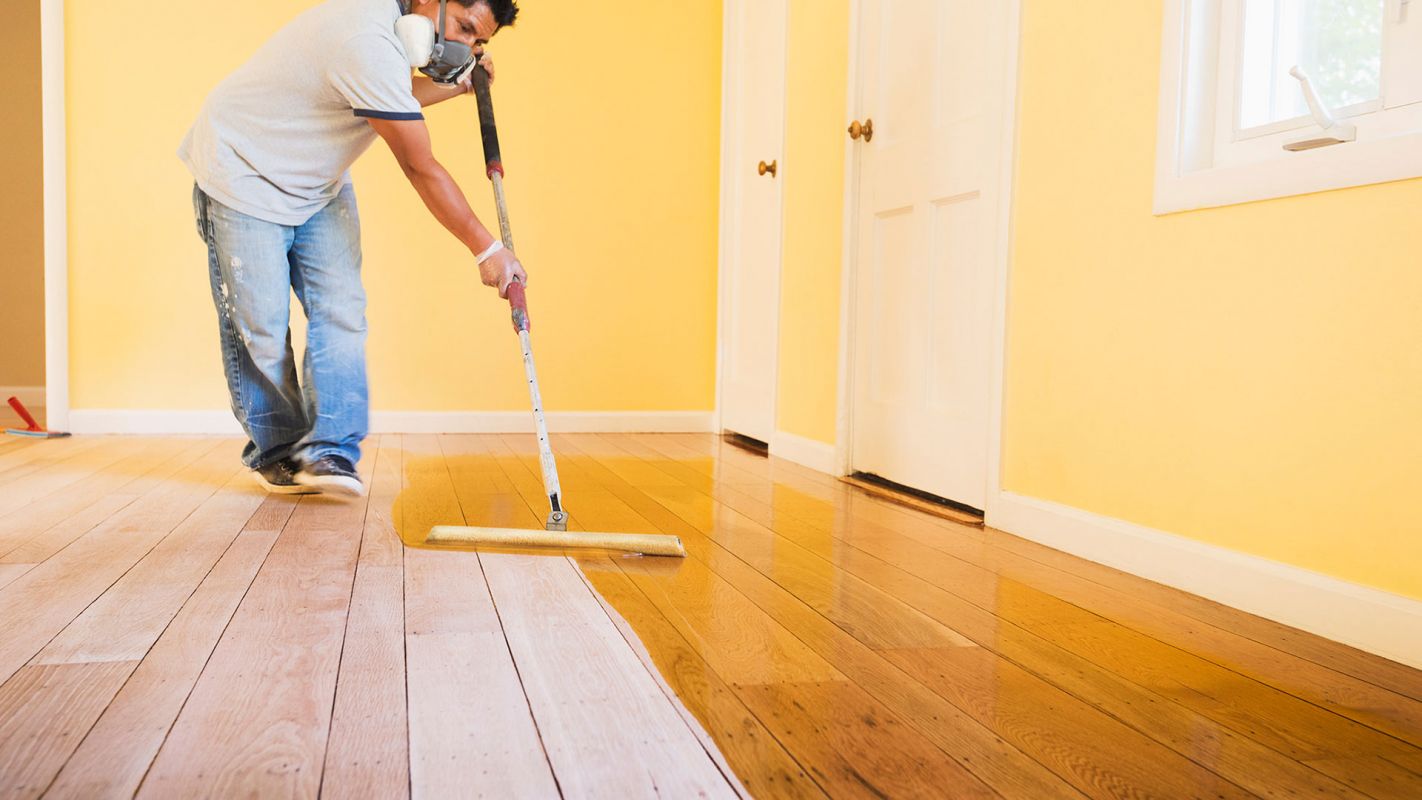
column 755, row 128
column 932, row 80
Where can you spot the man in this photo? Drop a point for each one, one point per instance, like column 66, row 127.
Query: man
column 270, row 153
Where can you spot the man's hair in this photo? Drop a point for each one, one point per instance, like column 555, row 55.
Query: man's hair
column 504, row 10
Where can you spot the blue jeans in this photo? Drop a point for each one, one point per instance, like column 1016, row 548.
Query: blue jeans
column 255, row 265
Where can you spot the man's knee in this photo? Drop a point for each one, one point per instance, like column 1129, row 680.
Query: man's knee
column 267, row 348
column 341, row 316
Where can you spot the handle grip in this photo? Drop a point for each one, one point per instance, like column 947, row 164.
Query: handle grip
column 518, row 305
column 493, row 162
column 25, row 415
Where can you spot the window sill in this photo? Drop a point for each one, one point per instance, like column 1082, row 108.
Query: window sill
column 1335, row 167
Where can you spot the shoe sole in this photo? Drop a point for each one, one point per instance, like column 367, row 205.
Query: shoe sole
column 294, row 488
column 332, row 484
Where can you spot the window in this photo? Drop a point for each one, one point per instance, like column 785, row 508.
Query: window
column 1237, row 122
column 1337, row 42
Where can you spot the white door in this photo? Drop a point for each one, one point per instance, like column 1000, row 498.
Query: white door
column 754, row 127
column 932, row 79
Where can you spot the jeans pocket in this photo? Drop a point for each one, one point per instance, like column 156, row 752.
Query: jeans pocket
column 200, row 212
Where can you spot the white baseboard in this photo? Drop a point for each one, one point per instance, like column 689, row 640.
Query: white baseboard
column 1366, row 618
column 558, row 421
column 96, row 421
column 31, row 396
column 805, row 452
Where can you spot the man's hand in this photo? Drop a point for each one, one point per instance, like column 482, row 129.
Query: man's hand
column 466, row 78
column 500, row 269
column 428, row 92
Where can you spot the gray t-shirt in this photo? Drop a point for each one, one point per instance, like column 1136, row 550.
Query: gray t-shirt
column 276, row 139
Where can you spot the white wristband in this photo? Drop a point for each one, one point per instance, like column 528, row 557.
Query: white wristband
column 489, row 252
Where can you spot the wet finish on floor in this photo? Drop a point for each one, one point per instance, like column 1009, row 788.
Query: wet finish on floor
column 172, row 631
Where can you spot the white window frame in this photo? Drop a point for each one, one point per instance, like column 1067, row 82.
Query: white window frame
column 1203, row 161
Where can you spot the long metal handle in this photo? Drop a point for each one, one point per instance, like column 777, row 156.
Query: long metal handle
column 557, row 517
column 518, row 303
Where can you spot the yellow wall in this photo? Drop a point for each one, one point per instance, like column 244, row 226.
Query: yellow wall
column 21, row 201
column 813, row 171
column 1248, row 376
column 610, row 132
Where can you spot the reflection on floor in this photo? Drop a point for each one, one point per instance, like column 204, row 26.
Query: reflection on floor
column 170, row 631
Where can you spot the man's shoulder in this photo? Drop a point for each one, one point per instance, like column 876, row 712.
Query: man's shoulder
column 357, row 22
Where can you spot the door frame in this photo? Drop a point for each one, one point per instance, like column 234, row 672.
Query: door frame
column 56, row 217
column 728, row 230
column 1001, row 261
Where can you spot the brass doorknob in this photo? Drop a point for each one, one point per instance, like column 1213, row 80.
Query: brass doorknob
column 764, row 168
column 866, row 130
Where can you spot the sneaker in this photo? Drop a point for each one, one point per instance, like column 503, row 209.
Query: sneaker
column 334, row 474
column 279, row 477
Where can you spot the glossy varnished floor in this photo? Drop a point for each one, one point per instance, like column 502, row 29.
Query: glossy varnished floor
column 170, row 631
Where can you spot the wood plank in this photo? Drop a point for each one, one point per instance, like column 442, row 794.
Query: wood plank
column 114, row 756
column 1412, row 762
column 1237, row 758
column 32, row 533
column 9, row 572
column 1281, row 722
column 13, row 444
column 748, row 649
column 888, row 606
column 125, row 621
column 40, row 603
column 767, row 769
column 1277, row 636
column 1262, row 771
column 471, row 731
column 37, row 702
column 1380, row 777
column 1235, row 640
column 58, row 474
column 368, row 753
column 1374, row 669
column 608, row 729
column 1090, row 765
column 1065, row 597
column 258, row 718
column 833, row 718
column 20, row 461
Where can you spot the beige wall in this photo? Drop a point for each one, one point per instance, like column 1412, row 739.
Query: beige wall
column 815, row 111
column 21, row 214
column 1247, row 376
column 611, row 136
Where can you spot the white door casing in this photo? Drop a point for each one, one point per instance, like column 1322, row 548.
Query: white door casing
column 753, row 125
column 933, row 77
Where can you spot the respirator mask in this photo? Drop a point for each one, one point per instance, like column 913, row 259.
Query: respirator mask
column 444, row 61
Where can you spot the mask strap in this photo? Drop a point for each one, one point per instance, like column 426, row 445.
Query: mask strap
column 439, row 34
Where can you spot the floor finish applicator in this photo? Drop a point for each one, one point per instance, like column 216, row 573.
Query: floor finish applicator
column 35, row 430
column 556, row 534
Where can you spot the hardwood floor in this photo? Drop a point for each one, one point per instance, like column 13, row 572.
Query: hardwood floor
column 171, row 631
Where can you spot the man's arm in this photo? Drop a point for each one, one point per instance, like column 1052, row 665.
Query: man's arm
column 428, row 92
column 409, row 140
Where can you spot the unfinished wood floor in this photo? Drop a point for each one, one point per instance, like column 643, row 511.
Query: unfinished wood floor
column 170, row 632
